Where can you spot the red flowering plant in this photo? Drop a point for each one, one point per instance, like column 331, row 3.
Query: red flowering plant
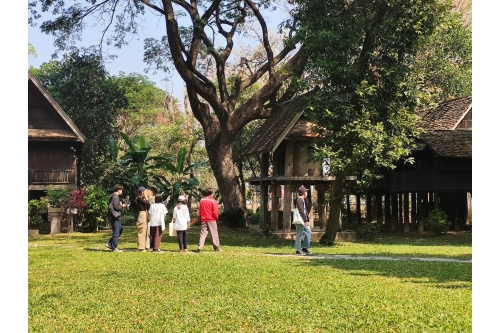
column 75, row 201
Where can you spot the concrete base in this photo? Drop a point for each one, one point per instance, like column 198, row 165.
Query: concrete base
column 315, row 235
column 33, row 233
column 55, row 215
column 345, row 236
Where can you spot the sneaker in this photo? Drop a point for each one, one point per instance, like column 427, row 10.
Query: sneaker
column 306, row 251
column 158, row 251
column 117, row 250
column 139, row 250
column 219, row 250
column 108, row 246
column 185, row 250
column 299, row 253
column 197, row 250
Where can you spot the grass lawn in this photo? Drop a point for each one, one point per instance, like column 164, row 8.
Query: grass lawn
column 76, row 285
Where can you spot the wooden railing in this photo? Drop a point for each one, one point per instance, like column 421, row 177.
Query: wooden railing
column 51, row 176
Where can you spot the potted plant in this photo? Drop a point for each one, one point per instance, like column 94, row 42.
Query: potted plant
column 36, row 209
column 56, row 196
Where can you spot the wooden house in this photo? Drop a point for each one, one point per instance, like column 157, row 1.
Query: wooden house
column 54, row 143
column 283, row 141
column 441, row 176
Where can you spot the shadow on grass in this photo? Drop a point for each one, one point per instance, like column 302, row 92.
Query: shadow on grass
column 435, row 274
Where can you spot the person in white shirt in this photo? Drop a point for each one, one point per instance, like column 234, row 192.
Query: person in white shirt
column 182, row 221
column 157, row 213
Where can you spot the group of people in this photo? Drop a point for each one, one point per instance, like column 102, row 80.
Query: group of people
column 153, row 215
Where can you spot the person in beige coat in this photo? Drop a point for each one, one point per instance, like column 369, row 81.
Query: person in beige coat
column 143, row 205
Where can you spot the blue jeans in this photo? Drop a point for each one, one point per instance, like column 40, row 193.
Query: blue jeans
column 116, row 226
column 302, row 230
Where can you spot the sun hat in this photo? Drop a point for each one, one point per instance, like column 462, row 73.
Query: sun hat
column 181, row 198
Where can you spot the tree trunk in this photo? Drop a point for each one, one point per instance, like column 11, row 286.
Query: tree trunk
column 334, row 222
column 220, row 156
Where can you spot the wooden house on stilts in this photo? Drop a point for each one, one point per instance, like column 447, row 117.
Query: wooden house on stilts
column 283, row 141
column 54, row 143
column 441, row 176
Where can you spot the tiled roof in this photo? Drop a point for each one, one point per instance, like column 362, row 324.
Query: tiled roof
column 274, row 129
column 447, row 115
column 449, row 143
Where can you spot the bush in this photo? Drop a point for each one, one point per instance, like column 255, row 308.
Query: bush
column 57, row 196
column 368, row 230
column 437, row 221
column 36, row 209
column 96, row 201
column 253, row 218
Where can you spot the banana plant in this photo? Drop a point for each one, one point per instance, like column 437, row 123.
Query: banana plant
column 182, row 180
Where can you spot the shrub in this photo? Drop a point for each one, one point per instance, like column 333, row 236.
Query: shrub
column 437, row 221
column 57, row 196
column 367, row 230
column 36, row 209
column 253, row 218
column 96, row 200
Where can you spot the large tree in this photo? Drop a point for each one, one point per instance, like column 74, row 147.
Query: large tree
column 366, row 97
column 81, row 85
column 193, row 49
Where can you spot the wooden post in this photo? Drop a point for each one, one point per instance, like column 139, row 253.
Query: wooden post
column 394, row 215
column 358, row 208
column 254, row 199
column 400, row 209
column 421, row 210
column 413, row 214
column 264, row 192
column 311, row 200
column 322, row 210
column 387, row 208
column 369, row 216
column 287, row 208
column 406, row 214
column 380, row 212
column 274, row 208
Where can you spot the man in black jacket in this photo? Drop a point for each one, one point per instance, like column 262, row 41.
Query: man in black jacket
column 114, row 214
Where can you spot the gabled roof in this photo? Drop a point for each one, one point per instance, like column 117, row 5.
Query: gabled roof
column 447, row 115
column 72, row 133
column 274, row 129
column 449, row 143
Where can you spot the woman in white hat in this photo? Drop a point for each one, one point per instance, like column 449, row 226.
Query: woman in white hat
column 181, row 222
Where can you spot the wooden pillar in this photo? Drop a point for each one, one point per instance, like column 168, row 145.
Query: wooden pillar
column 358, row 208
column 254, row 199
column 348, row 209
column 394, row 214
column 468, row 220
column 422, row 210
column 322, row 210
column 413, row 214
column 387, row 208
column 275, row 207
column 406, row 212
column 311, row 201
column 436, row 200
column 400, row 209
column 287, row 208
column 369, row 216
column 264, row 193
column 380, row 212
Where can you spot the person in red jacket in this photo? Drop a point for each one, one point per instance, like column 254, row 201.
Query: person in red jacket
column 209, row 213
